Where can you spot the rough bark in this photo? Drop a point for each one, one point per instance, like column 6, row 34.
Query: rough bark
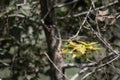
column 53, row 37
column 118, row 5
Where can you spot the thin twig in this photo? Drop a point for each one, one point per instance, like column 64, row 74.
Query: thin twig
column 98, row 65
column 55, row 66
column 109, row 57
column 65, row 4
column 4, row 64
column 77, row 74
column 107, row 45
column 86, row 75
column 95, row 11
column 101, row 38
column 58, row 6
column 85, row 19
column 83, row 13
column 71, row 65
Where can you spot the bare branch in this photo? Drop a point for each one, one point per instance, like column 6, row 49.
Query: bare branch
column 71, row 65
column 65, row 4
column 82, row 24
column 77, row 74
column 83, row 13
column 55, row 66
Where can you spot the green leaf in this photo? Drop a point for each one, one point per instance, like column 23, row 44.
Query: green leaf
column 4, row 72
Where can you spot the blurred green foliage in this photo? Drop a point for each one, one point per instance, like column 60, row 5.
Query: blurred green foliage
column 22, row 42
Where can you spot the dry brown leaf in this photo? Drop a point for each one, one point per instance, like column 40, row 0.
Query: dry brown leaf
column 102, row 13
column 100, row 18
column 111, row 16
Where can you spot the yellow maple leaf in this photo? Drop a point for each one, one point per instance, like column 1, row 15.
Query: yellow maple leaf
column 72, row 44
column 93, row 48
column 90, row 45
column 76, row 54
column 80, row 48
column 64, row 51
column 78, row 51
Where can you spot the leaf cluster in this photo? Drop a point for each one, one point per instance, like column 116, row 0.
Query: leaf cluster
column 79, row 48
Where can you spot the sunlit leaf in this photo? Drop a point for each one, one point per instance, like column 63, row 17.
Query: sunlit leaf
column 64, row 51
column 80, row 48
column 72, row 44
column 76, row 54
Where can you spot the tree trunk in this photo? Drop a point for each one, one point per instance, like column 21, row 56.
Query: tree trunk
column 53, row 38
